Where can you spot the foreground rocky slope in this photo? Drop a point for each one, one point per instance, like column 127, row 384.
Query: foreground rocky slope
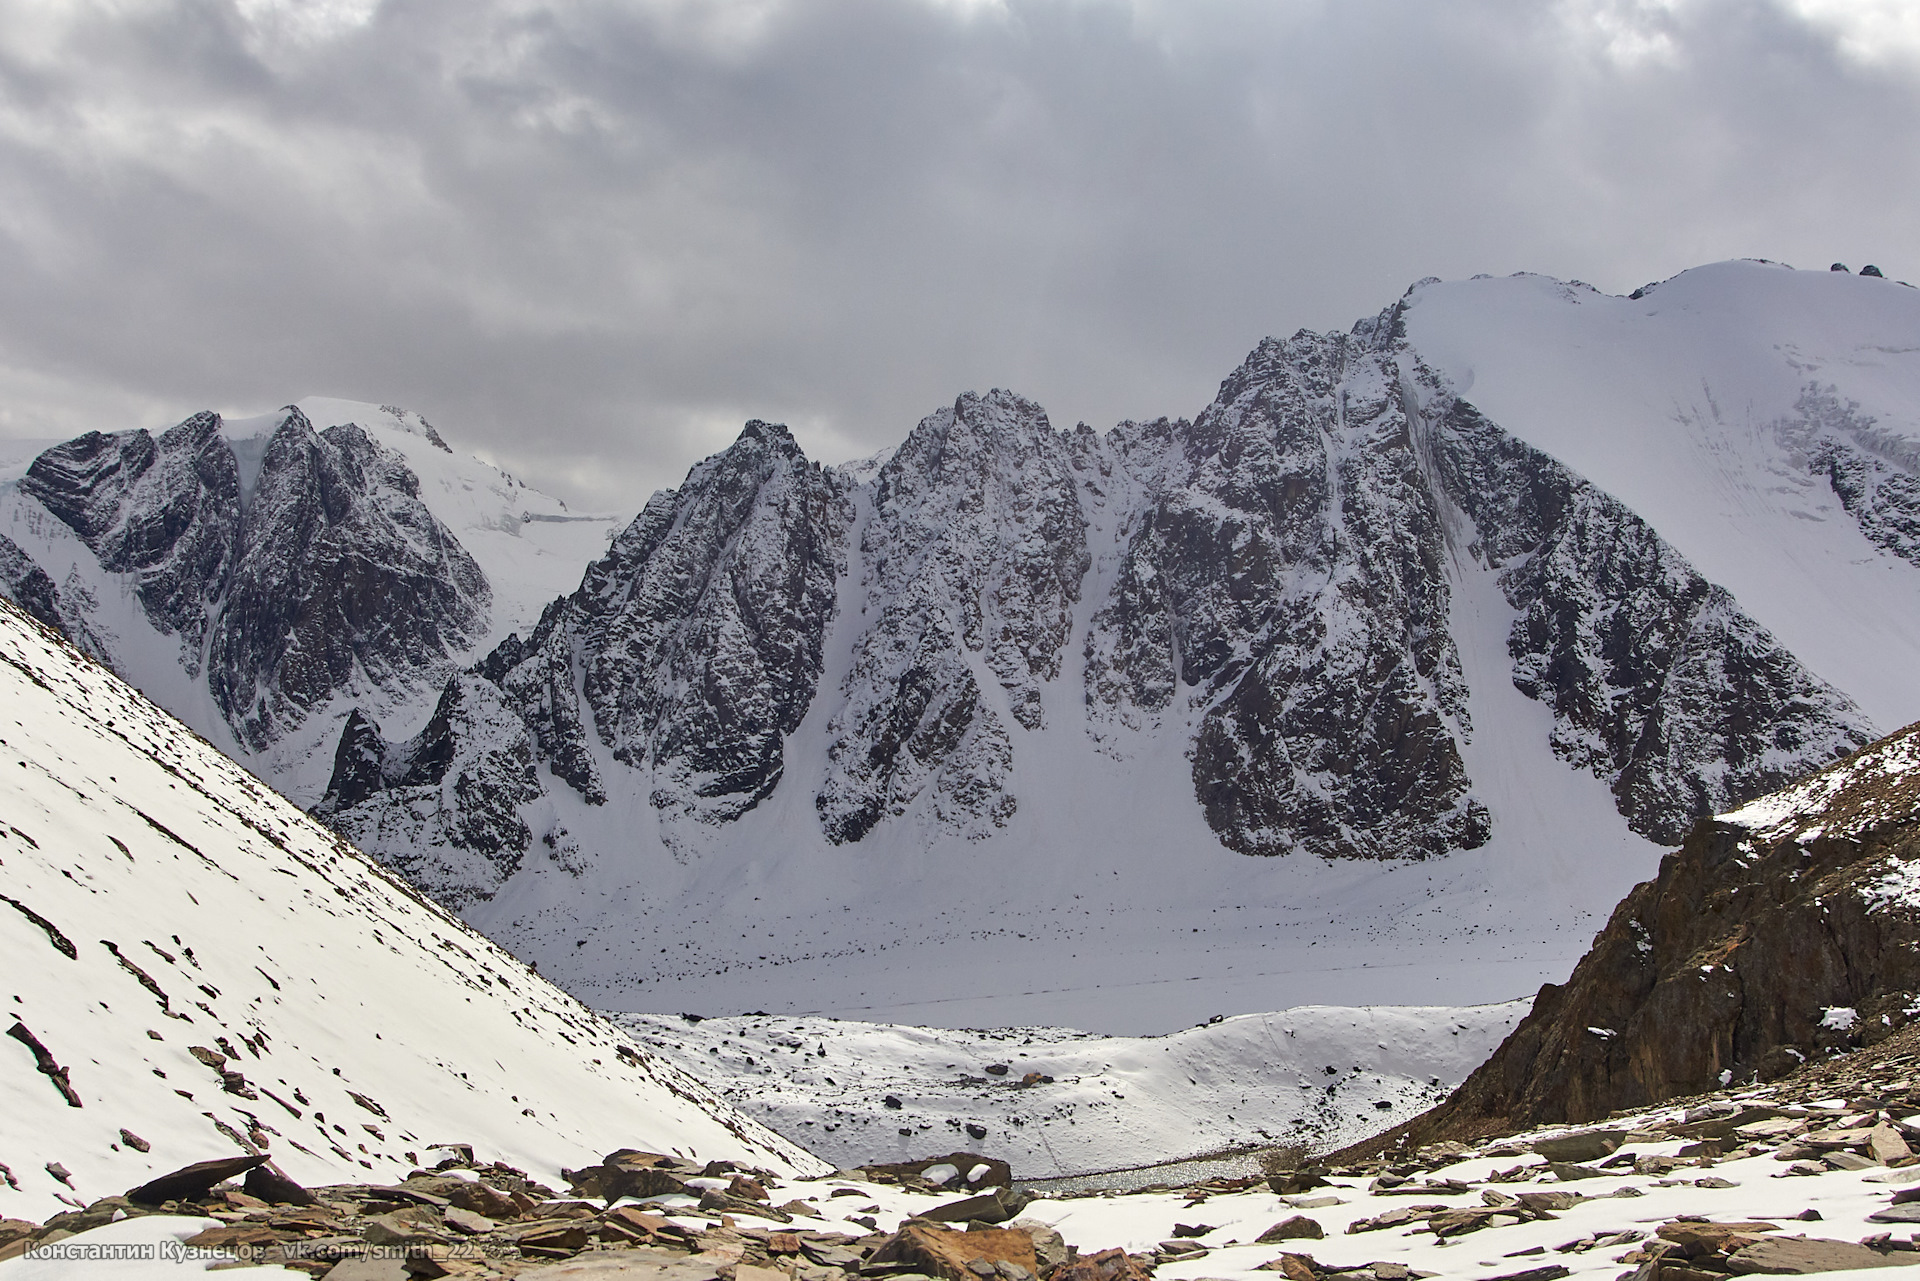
column 1812, row 1174
column 191, row 966
column 1777, row 935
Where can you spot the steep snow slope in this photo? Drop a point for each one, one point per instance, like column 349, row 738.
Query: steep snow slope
column 1729, row 407
column 865, row 1092
column 213, row 970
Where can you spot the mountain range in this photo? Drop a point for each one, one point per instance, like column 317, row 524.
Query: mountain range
column 1381, row 678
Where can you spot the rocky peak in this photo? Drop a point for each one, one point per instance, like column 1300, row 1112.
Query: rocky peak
column 331, row 570
column 453, row 792
column 381, row 587
column 681, row 663
column 1288, row 570
column 1650, row 669
column 703, row 628
column 166, row 511
column 974, row 553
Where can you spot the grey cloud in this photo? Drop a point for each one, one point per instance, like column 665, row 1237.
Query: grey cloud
column 591, row 237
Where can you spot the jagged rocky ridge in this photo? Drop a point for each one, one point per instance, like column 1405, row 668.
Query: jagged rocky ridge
column 1779, row 934
column 308, row 568
column 1281, row 604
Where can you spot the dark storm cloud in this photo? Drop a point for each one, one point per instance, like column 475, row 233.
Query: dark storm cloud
column 592, row 237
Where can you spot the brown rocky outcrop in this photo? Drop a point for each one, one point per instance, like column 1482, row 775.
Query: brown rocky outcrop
column 1780, row 934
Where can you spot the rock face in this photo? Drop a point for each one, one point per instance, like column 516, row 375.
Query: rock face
column 1778, row 934
column 27, row 585
column 342, row 573
column 1280, row 601
column 974, row 553
column 166, row 511
column 687, row 654
column 311, row 569
column 1267, row 598
column 1286, row 572
column 1650, row 670
column 450, row 794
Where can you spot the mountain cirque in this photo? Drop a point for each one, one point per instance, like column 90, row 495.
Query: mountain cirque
column 1281, row 572
column 1495, row 583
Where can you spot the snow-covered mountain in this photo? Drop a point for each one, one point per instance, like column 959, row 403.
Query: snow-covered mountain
column 1462, row 614
column 264, row 576
column 186, row 955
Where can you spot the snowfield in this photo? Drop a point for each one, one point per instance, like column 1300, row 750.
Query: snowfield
column 213, row 971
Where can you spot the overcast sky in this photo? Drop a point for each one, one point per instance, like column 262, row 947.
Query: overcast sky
column 589, row 238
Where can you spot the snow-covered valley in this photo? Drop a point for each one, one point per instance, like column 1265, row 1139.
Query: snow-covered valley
column 1051, row 1102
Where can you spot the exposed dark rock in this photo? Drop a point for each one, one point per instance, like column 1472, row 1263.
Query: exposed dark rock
column 193, row 1181
column 945, row 1253
column 344, row 572
column 268, row 1182
column 166, row 511
column 977, row 545
column 699, row 636
column 324, row 568
column 998, row 1173
column 1658, row 682
column 1283, row 584
column 1777, row 936
column 1792, row 1255
column 358, row 763
column 447, row 814
column 997, row 1206
column 27, row 585
column 43, row 1063
column 1290, row 566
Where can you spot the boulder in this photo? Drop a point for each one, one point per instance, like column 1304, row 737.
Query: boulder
column 466, row 1222
column 630, row 1172
column 1049, row 1247
column 193, row 1181
column 1117, row 1265
column 1297, row 1228
column 996, row 1206
column 1803, row 1254
column 268, row 1182
column 420, row 1225
column 1588, row 1145
column 1886, row 1144
column 951, row 1255
column 998, row 1173
column 1694, row 1239
column 1906, row 1212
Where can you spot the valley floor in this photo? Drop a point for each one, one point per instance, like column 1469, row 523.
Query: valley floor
column 1053, row 1102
